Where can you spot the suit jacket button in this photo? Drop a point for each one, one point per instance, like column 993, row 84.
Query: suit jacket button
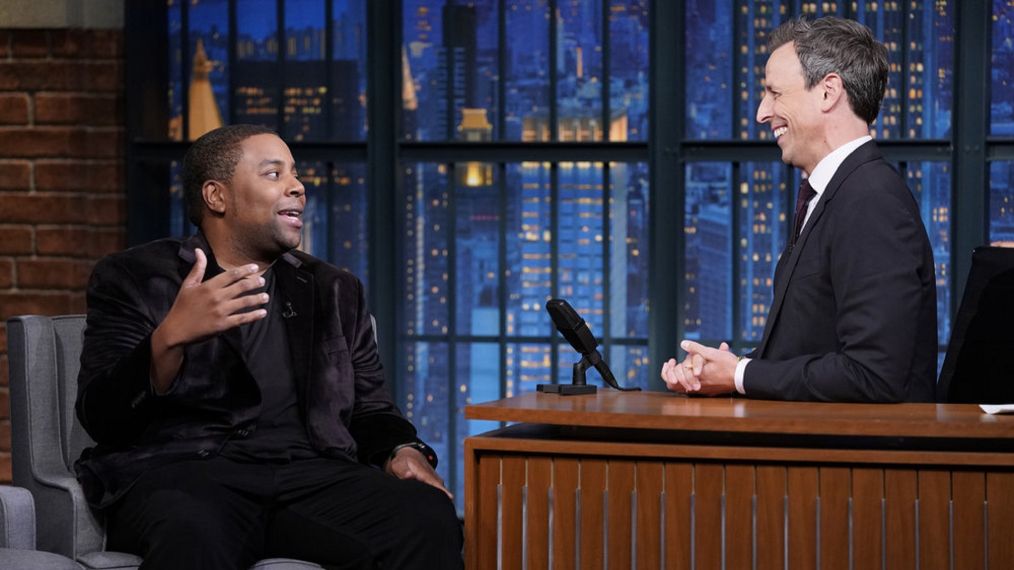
column 203, row 453
column 243, row 432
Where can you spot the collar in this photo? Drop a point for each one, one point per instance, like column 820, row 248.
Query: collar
column 826, row 168
column 189, row 244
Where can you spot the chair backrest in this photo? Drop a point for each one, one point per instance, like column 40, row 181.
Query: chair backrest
column 46, row 438
column 978, row 368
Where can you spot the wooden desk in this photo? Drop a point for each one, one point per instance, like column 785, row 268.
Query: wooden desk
column 657, row 480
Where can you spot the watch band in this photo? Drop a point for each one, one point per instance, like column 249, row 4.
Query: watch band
column 427, row 451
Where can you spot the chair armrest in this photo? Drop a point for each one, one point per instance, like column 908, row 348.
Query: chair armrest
column 17, row 518
column 71, row 528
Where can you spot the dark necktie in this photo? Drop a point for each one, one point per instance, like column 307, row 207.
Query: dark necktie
column 806, row 193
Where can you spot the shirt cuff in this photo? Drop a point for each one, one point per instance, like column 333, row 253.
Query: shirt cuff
column 740, row 372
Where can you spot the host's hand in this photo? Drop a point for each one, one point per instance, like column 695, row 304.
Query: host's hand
column 410, row 463
column 202, row 310
column 708, row 371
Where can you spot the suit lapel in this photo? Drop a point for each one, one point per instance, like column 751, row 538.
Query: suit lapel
column 296, row 294
column 783, row 272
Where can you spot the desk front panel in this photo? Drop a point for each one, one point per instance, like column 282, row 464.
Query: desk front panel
column 556, row 503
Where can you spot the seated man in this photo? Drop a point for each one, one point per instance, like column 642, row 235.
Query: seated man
column 235, row 392
column 853, row 317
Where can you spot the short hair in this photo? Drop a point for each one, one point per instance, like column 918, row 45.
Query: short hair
column 846, row 47
column 213, row 156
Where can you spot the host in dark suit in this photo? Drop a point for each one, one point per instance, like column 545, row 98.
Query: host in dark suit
column 853, row 316
column 235, row 393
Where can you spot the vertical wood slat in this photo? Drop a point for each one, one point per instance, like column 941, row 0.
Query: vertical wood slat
column 802, row 491
column 649, row 514
column 486, row 529
column 900, row 492
column 867, row 518
column 934, row 520
column 565, row 483
column 834, row 488
column 709, row 483
column 770, row 518
column 620, row 483
column 969, row 494
column 1000, row 499
column 677, row 535
column 593, row 483
column 512, row 480
column 537, row 539
column 739, row 489
column 949, row 519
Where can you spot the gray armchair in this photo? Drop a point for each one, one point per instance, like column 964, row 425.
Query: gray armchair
column 17, row 535
column 46, row 439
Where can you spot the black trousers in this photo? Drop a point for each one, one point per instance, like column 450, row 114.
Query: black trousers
column 221, row 514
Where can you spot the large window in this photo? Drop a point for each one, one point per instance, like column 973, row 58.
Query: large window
column 470, row 160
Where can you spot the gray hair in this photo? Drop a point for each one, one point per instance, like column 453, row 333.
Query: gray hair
column 213, row 156
column 846, row 47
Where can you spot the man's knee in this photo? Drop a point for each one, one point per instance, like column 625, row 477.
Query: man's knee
column 176, row 528
column 432, row 514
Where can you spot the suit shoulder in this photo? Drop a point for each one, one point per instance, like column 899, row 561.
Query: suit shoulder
column 144, row 255
column 323, row 270
column 875, row 182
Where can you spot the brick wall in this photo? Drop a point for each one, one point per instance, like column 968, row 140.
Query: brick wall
column 62, row 201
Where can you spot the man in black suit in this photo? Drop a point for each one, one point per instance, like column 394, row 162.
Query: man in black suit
column 236, row 396
column 853, row 317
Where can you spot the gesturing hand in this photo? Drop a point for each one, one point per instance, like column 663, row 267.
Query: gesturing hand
column 203, row 309
column 410, row 463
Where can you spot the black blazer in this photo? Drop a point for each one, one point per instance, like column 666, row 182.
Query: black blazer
column 347, row 410
column 853, row 316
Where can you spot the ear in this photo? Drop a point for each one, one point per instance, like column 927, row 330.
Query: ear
column 213, row 192
column 833, row 92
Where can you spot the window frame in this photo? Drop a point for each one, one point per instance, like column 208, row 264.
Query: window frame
column 969, row 149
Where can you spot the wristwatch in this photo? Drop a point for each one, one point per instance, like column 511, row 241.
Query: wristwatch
column 427, row 451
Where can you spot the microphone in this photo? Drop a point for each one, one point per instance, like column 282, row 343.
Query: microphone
column 575, row 330
column 289, row 312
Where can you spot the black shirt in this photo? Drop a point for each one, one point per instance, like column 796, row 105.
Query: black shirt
column 279, row 434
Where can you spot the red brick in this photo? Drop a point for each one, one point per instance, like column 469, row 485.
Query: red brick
column 77, row 176
column 30, row 43
column 15, row 175
column 63, row 240
column 53, row 274
column 87, row 44
column 50, row 303
column 15, row 240
column 5, row 44
column 5, row 404
column 5, row 436
column 5, row 468
column 60, row 142
column 79, row 241
column 77, row 304
column 4, row 369
column 6, row 273
column 107, row 211
column 43, row 208
column 3, row 344
column 61, row 75
column 108, row 240
column 13, row 109
column 77, row 109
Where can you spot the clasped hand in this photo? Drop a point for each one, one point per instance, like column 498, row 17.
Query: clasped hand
column 706, row 370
